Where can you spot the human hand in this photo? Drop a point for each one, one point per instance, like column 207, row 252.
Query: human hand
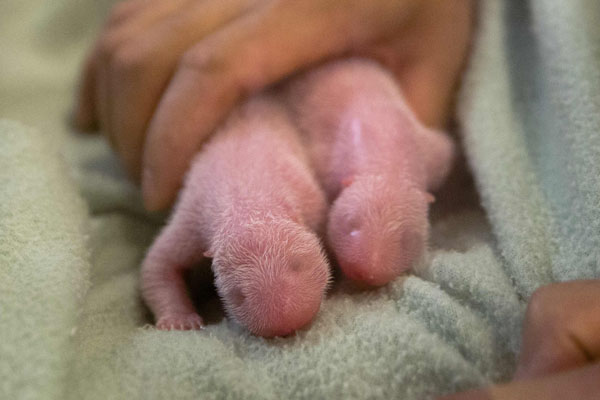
column 560, row 355
column 163, row 74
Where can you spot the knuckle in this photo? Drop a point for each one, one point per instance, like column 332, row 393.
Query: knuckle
column 119, row 12
column 203, row 60
column 127, row 60
column 232, row 72
column 108, row 44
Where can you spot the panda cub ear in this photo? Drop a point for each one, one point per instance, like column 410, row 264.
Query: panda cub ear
column 347, row 181
column 424, row 194
column 429, row 198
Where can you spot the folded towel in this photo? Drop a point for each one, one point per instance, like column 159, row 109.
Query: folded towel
column 44, row 264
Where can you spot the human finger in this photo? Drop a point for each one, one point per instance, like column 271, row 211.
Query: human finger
column 577, row 384
column 143, row 67
column 85, row 115
column 561, row 329
column 427, row 57
column 246, row 56
column 114, row 55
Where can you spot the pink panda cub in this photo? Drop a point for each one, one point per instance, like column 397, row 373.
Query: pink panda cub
column 376, row 163
column 251, row 203
column 256, row 196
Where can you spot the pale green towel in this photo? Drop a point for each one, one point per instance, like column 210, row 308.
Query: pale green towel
column 71, row 318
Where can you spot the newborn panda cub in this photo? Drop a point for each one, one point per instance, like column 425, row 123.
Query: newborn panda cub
column 256, row 200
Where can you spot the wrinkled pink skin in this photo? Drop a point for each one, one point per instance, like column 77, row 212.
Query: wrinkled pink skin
column 252, row 200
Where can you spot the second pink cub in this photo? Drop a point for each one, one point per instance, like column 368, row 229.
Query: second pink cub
column 257, row 197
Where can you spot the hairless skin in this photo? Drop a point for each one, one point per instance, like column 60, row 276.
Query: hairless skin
column 252, row 202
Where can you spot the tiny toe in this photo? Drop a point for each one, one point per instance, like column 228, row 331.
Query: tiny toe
column 198, row 325
column 162, row 326
column 180, row 322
